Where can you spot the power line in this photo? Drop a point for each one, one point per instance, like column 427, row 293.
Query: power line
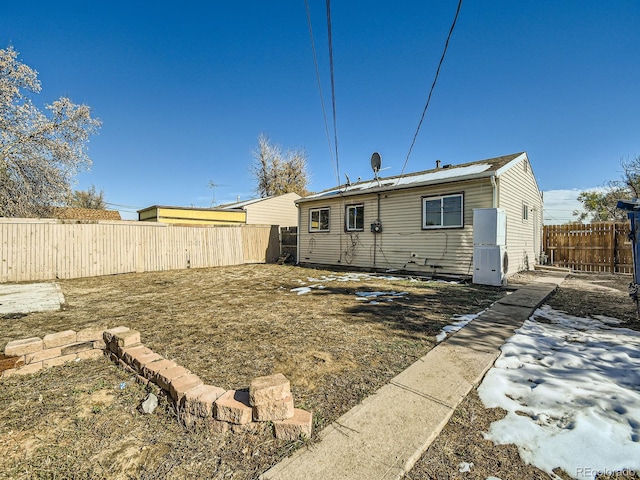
column 333, row 88
column 122, row 206
column 433, row 85
column 324, row 112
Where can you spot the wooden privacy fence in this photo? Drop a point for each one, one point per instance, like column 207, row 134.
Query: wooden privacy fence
column 594, row 247
column 289, row 242
column 47, row 249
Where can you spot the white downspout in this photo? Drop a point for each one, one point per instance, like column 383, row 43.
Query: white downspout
column 494, row 184
column 299, row 233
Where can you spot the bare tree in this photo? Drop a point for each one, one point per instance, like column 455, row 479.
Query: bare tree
column 89, row 198
column 40, row 153
column 277, row 172
column 600, row 205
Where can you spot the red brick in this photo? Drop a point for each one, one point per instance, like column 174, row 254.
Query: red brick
column 77, row 348
column 166, row 376
column 140, row 361
column 126, row 339
column 150, row 370
column 22, row 347
column 125, row 366
column 90, row 354
column 268, row 389
column 54, row 362
column 181, row 385
column 280, row 410
column 59, row 339
column 89, row 334
column 42, row 355
column 24, row 370
column 108, row 335
column 199, row 401
column 233, row 407
column 141, row 380
column 298, row 425
column 129, row 353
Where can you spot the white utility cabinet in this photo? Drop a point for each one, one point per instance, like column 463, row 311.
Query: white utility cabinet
column 490, row 265
column 489, row 226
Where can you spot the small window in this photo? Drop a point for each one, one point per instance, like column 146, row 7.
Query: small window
column 355, row 218
column 442, row 212
column 525, row 212
column 319, row 219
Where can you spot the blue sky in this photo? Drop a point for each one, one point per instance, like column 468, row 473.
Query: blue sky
column 185, row 88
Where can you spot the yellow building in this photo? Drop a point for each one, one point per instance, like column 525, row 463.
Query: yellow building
column 192, row 216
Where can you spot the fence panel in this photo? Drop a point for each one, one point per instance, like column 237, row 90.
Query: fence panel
column 43, row 249
column 595, row 247
column 289, row 242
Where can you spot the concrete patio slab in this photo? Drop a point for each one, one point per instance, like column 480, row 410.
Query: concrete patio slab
column 30, row 297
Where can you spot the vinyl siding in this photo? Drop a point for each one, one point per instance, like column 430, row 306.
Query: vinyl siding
column 280, row 210
column 517, row 186
column 403, row 244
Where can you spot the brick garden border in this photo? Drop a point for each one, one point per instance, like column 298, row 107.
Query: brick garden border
column 269, row 398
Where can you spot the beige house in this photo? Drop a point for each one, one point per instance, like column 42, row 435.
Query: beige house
column 423, row 222
column 275, row 210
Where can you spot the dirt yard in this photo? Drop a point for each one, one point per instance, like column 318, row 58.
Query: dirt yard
column 227, row 325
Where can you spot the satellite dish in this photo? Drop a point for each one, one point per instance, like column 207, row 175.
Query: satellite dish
column 376, row 161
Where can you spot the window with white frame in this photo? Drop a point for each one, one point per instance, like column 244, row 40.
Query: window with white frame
column 525, row 212
column 446, row 211
column 354, row 218
column 319, row 219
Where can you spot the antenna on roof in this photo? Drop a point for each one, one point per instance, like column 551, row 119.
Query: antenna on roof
column 376, row 162
column 348, row 184
column 212, row 186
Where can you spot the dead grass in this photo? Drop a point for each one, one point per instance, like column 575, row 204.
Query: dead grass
column 461, row 440
column 228, row 325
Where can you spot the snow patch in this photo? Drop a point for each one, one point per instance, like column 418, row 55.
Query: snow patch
column 461, row 321
column 374, row 296
column 571, row 389
column 301, row 290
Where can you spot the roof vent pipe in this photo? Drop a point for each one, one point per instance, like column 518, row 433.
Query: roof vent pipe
column 438, row 162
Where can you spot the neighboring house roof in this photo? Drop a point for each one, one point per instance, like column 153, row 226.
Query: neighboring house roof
column 445, row 174
column 245, row 203
column 198, row 209
column 68, row 213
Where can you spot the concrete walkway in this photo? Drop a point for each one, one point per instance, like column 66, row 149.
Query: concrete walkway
column 382, row 437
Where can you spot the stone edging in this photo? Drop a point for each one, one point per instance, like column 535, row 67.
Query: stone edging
column 269, row 398
column 33, row 354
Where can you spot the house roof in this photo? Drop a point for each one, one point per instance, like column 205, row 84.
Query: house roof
column 170, row 207
column 69, row 213
column 490, row 167
column 254, row 200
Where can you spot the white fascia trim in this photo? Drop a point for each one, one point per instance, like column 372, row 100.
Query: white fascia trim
column 519, row 158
